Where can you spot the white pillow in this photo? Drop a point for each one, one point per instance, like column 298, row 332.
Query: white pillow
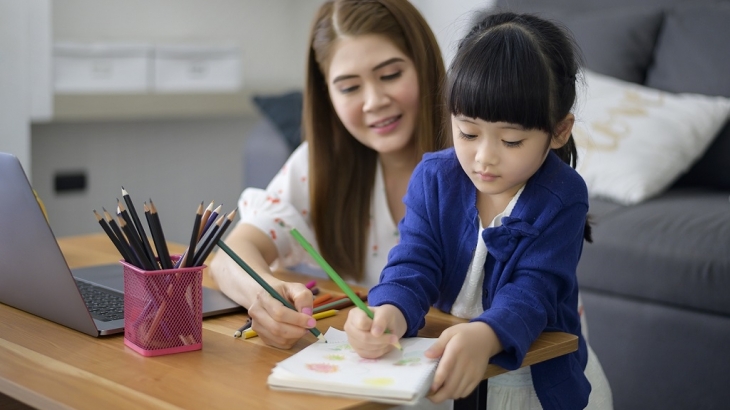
column 634, row 141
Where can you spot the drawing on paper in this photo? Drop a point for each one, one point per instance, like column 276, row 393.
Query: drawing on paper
column 379, row 381
column 408, row 361
column 322, row 367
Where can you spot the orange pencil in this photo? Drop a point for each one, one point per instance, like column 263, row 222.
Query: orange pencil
column 329, row 300
column 321, row 299
column 339, row 304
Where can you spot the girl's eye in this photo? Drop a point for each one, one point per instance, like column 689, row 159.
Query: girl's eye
column 512, row 144
column 466, row 136
column 391, row 76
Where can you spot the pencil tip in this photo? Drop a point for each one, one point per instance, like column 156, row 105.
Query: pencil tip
column 237, row 334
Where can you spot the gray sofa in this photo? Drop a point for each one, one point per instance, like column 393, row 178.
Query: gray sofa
column 656, row 280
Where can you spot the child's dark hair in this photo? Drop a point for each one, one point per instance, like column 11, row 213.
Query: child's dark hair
column 520, row 69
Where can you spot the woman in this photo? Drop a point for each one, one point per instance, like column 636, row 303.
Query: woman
column 373, row 105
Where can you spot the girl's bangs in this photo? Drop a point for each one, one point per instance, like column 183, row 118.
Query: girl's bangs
column 500, row 76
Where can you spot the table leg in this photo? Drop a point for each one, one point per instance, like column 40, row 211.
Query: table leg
column 477, row 400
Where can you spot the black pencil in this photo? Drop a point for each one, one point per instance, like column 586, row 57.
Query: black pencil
column 158, row 236
column 122, row 240
column 133, row 236
column 112, row 236
column 189, row 253
column 218, row 235
column 263, row 284
column 138, row 226
column 134, row 243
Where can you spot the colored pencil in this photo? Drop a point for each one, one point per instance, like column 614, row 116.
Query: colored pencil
column 249, row 333
column 138, row 226
column 338, row 304
column 264, row 284
column 311, row 284
column 241, row 329
column 331, row 299
column 212, row 218
column 335, row 277
column 158, row 236
column 321, row 299
column 218, row 235
column 207, row 238
column 204, row 219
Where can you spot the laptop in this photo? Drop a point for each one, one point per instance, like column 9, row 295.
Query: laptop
column 34, row 276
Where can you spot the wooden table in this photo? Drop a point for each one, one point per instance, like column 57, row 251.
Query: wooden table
column 49, row 366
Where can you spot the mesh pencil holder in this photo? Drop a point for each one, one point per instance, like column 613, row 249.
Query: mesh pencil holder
column 163, row 309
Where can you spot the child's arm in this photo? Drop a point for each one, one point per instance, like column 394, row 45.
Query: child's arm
column 367, row 336
column 465, row 350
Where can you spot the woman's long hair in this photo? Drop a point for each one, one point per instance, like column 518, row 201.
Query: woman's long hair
column 341, row 169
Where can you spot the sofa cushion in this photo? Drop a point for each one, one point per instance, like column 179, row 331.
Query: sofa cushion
column 692, row 56
column 673, row 249
column 615, row 40
column 618, row 43
column 285, row 112
column 634, row 141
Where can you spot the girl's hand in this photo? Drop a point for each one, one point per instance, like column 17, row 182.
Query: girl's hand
column 465, row 350
column 276, row 324
column 367, row 336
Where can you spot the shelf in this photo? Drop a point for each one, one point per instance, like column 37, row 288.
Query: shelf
column 112, row 107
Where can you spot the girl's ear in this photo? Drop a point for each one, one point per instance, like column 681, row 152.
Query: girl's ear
column 562, row 131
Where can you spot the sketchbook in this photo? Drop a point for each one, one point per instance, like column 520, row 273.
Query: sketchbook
column 333, row 368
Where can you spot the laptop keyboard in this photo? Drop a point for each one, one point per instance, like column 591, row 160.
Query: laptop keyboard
column 103, row 304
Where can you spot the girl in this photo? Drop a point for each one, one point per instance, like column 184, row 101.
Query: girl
column 494, row 227
column 373, row 104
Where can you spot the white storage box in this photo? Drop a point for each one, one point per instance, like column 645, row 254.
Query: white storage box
column 101, row 68
column 197, row 68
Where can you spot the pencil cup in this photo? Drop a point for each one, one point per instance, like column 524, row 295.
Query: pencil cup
column 163, row 309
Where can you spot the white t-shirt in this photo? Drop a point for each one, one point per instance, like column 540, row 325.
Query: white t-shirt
column 468, row 303
column 285, row 204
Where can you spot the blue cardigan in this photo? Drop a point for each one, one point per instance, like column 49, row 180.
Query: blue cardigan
column 530, row 283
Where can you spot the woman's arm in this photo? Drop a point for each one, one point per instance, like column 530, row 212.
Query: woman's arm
column 254, row 247
column 260, row 238
column 276, row 324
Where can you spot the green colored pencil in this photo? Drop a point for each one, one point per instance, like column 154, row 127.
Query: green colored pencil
column 264, row 284
column 335, row 277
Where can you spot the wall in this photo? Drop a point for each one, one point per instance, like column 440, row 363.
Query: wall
column 181, row 161
column 178, row 162
column 14, row 89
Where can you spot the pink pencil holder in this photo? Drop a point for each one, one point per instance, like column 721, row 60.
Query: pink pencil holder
column 163, row 309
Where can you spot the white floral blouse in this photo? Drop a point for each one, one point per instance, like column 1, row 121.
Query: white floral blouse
column 285, row 204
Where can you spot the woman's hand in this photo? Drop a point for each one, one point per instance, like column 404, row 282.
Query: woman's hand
column 465, row 350
column 276, row 324
column 367, row 336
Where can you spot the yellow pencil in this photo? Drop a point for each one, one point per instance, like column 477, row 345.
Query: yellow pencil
column 249, row 333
